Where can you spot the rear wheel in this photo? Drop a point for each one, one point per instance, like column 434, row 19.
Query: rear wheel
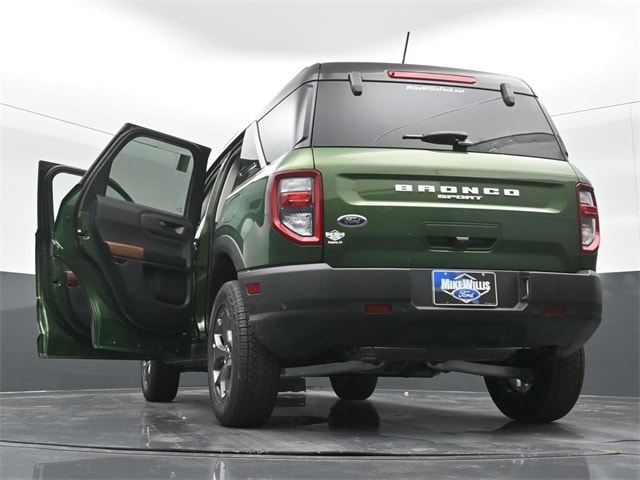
column 243, row 375
column 159, row 381
column 351, row 386
column 548, row 396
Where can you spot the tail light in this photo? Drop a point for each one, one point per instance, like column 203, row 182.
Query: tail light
column 296, row 206
column 589, row 221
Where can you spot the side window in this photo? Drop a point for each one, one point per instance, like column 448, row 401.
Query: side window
column 212, row 180
column 232, row 163
column 241, row 162
column 61, row 185
column 65, row 181
column 208, row 191
column 153, row 173
column 251, row 157
column 288, row 124
column 246, row 170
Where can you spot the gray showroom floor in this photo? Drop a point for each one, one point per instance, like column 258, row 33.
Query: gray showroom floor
column 115, row 434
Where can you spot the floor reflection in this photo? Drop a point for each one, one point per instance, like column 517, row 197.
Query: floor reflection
column 179, row 467
column 354, row 417
column 117, row 435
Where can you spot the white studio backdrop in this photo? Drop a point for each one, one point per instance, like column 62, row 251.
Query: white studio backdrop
column 73, row 72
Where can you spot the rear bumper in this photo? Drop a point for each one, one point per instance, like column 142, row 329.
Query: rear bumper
column 303, row 311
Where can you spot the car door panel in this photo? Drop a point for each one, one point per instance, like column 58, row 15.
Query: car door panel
column 122, row 249
column 151, row 261
column 63, row 309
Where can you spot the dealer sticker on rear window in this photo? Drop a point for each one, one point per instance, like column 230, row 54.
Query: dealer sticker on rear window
column 471, row 289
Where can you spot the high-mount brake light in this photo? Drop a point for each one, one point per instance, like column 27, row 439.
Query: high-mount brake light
column 296, row 206
column 589, row 220
column 434, row 77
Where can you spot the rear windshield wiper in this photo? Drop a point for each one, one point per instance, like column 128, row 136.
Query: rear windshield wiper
column 456, row 139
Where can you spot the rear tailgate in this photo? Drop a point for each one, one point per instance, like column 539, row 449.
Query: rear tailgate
column 454, row 210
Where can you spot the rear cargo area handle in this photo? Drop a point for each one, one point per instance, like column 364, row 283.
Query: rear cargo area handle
column 460, row 243
column 460, row 236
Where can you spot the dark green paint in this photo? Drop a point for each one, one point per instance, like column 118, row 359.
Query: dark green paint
column 537, row 230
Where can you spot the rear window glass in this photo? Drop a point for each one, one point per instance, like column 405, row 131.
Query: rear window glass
column 385, row 112
column 287, row 125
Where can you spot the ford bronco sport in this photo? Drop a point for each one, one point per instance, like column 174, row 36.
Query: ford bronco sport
column 376, row 220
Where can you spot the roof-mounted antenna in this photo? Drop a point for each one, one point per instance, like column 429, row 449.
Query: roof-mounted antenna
column 406, row 45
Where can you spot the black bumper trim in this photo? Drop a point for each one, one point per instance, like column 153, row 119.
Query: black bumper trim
column 305, row 310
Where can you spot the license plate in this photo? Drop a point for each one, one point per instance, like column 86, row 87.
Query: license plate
column 467, row 289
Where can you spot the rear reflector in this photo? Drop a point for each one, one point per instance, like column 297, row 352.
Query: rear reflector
column 377, row 308
column 554, row 311
column 253, row 288
column 434, row 77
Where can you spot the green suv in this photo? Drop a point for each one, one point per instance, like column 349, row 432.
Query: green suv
column 376, row 220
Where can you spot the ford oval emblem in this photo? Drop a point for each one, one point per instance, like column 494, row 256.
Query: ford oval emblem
column 352, row 220
column 466, row 294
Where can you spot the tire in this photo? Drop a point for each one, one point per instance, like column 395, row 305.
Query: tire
column 351, row 386
column 243, row 375
column 550, row 395
column 159, row 381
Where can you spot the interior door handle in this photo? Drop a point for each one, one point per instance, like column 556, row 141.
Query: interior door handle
column 174, row 227
column 165, row 227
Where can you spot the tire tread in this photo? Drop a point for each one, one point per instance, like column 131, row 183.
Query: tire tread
column 555, row 391
column 256, row 373
column 351, row 386
column 163, row 382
